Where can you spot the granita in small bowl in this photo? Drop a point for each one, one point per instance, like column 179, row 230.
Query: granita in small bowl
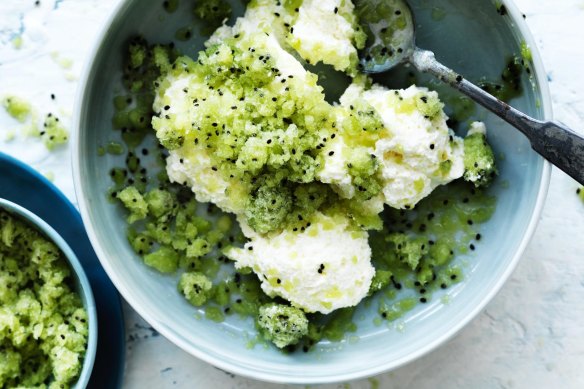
column 48, row 322
column 276, row 212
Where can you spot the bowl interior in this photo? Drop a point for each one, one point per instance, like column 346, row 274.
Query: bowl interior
column 81, row 283
column 471, row 37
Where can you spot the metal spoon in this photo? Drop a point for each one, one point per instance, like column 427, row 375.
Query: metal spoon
column 394, row 44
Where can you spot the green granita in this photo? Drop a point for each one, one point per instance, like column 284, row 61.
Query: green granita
column 196, row 287
column 170, row 6
column 509, row 86
column 133, row 201
column 133, row 109
column 479, row 160
column 53, row 133
column 419, row 246
column 381, row 279
column 281, row 324
column 17, row 107
column 211, row 13
column 43, row 325
column 383, row 28
column 263, row 128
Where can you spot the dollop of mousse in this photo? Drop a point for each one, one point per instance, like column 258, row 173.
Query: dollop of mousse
column 328, row 31
column 415, row 149
column 323, row 266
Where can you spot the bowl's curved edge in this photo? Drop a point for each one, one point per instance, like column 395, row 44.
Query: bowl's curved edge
column 541, row 79
column 73, row 261
column 546, row 103
column 128, row 294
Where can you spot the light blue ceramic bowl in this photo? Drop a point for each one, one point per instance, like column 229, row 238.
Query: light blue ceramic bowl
column 80, row 280
column 471, row 37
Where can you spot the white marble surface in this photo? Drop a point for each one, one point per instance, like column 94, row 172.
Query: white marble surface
column 530, row 336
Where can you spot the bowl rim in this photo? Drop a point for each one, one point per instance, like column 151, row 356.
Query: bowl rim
column 517, row 23
column 86, row 292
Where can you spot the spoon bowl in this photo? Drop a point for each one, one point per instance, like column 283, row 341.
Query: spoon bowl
column 390, row 29
column 390, row 32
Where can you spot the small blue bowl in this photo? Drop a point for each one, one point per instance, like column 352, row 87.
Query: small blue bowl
column 81, row 282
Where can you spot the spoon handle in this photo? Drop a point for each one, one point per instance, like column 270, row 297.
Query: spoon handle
column 554, row 141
